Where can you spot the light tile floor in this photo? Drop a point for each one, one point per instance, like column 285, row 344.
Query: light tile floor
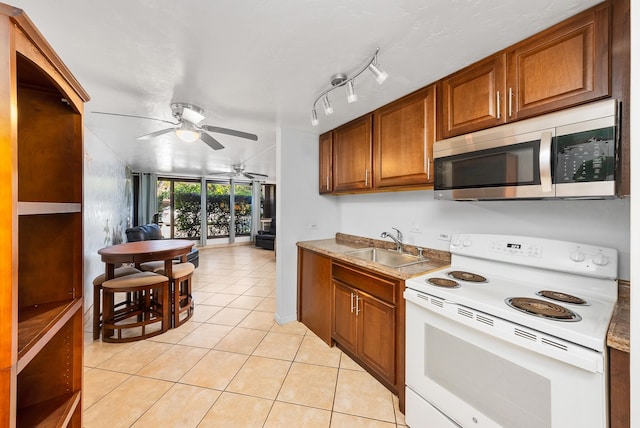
column 231, row 365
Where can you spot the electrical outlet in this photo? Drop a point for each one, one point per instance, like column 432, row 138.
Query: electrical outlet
column 313, row 226
column 416, row 227
column 444, row 237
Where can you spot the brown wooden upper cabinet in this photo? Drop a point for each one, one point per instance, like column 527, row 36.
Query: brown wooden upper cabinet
column 352, row 157
column 403, row 137
column 325, row 181
column 567, row 64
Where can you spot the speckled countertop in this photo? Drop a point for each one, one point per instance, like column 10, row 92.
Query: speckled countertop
column 337, row 248
column 619, row 330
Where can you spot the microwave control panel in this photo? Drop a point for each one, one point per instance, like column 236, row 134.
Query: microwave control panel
column 586, row 156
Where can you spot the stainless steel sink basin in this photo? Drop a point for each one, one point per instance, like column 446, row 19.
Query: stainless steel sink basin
column 385, row 257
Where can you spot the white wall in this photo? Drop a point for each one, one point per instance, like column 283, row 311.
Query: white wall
column 602, row 222
column 298, row 206
column 107, row 206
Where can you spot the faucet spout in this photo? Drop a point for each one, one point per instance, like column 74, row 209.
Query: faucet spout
column 397, row 239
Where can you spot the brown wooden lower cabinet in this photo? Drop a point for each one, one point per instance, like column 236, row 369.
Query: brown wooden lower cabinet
column 359, row 310
column 619, row 396
column 314, row 293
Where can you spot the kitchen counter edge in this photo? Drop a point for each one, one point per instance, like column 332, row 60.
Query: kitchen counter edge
column 618, row 336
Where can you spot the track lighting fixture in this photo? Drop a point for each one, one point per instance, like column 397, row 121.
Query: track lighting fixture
column 341, row 79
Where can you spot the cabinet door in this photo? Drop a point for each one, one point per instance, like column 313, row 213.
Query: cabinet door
column 314, row 293
column 344, row 317
column 565, row 65
column 352, row 155
column 404, row 133
column 473, row 98
column 325, row 180
column 376, row 335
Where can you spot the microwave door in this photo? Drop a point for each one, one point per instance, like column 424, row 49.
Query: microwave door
column 510, row 167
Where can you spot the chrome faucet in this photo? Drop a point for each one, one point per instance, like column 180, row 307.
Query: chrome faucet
column 397, row 239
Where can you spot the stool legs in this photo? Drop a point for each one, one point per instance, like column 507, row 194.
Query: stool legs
column 182, row 300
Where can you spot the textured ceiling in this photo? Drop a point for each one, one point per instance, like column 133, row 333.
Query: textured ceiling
column 256, row 65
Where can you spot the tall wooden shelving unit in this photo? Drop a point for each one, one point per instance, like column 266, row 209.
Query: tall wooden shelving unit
column 41, row 157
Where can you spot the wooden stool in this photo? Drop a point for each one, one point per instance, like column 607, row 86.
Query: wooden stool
column 97, row 291
column 182, row 300
column 147, row 303
column 181, row 297
column 156, row 267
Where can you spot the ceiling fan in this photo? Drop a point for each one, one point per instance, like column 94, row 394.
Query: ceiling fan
column 188, row 127
column 239, row 171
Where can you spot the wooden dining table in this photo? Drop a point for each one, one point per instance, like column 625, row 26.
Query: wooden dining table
column 136, row 253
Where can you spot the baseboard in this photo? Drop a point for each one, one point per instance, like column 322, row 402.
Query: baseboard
column 285, row 320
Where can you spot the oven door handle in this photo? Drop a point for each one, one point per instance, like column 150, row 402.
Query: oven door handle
column 545, row 161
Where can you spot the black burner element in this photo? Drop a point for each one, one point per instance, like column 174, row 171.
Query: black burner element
column 467, row 276
column 561, row 297
column 542, row 308
column 443, row 282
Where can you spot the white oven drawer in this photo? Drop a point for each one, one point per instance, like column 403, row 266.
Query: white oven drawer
column 424, row 414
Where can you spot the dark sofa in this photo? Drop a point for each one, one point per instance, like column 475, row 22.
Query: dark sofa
column 150, row 231
column 266, row 238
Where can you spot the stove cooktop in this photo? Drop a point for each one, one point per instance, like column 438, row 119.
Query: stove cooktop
column 486, row 277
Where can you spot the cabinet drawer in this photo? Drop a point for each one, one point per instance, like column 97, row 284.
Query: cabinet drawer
column 382, row 288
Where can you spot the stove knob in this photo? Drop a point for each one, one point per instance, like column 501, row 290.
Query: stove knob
column 455, row 242
column 467, row 243
column 600, row 260
column 577, row 256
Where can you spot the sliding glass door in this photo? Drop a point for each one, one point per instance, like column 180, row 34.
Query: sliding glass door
column 179, row 208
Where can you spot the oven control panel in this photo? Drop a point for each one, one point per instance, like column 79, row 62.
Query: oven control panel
column 565, row 256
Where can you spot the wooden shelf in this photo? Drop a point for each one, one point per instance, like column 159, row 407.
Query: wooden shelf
column 36, row 326
column 36, row 208
column 56, row 412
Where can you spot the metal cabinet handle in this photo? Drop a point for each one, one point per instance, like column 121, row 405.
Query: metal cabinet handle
column 366, row 177
column 357, row 305
column 352, row 305
column 327, row 182
column 510, row 102
column 428, row 168
column 498, row 104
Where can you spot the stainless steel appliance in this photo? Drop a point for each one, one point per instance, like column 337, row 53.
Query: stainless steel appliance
column 511, row 334
column 566, row 154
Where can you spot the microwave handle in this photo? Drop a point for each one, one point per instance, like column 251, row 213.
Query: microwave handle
column 545, row 161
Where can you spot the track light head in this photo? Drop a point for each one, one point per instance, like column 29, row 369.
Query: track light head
column 314, row 118
column 380, row 75
column 327, row 106
column 352, row 97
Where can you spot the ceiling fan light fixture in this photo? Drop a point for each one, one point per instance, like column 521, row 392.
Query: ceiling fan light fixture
column 187, row 133
column 352, row 97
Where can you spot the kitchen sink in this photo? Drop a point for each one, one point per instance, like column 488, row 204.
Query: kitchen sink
column 386, row 257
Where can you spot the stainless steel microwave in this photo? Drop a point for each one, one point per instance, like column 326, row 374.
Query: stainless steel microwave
column 571, row 153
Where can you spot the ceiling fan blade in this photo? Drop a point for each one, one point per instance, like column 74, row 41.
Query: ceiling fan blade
column 210, row 141
column 227, row 131
column 156, row 134
column 256, row 174
column 137, row 117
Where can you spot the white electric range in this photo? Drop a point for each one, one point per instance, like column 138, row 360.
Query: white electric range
column 512, row 334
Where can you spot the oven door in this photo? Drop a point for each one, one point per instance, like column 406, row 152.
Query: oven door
column 508, row 167
column 458, row 375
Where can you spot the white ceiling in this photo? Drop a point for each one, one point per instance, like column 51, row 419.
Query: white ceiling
column 256, row 65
